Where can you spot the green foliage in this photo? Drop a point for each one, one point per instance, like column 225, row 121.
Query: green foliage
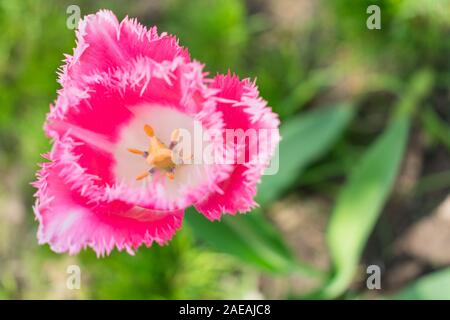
column 175, row 271
column 360, row 203
column 435, row 286
column 436, row 127
column 249, row 238
column 30, row 54
column 304, row 139
column 222, row 31
column 362, row 199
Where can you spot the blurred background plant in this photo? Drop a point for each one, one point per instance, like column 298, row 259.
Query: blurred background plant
column 364, row 163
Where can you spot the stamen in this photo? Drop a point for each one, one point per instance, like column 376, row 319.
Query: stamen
column 142, row 176
column 136, row 151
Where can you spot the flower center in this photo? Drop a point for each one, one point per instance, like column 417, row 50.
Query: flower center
column 159, row 156
column 188, row 175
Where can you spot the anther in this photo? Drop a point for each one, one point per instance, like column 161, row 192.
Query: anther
column 136, row 151
column 149, row 130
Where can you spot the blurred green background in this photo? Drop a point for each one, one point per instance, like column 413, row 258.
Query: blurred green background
column 364, row 173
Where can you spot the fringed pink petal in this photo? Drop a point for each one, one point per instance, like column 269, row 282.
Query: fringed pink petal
column 69, row 222
column 242, row 108
column 103, row 44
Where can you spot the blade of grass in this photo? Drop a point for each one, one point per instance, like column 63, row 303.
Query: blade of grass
column 433, row 182
column 436, row 127
column 361, row 201
column 434, row 286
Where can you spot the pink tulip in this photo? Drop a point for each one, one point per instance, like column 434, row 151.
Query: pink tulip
column 127, row 96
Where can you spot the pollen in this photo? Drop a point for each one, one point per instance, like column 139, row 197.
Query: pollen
column 159, row 156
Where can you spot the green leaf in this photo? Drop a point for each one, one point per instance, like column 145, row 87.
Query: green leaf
column 435, row 286
column 249, row 238
column 304, row 139
column 361, row 201
column 435, row 126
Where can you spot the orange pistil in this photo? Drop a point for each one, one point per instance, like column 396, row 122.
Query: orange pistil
column 158, row 156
